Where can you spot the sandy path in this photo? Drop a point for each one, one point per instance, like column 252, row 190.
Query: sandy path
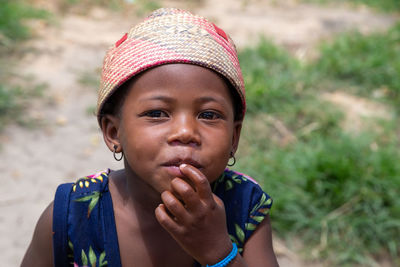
column 34, row 162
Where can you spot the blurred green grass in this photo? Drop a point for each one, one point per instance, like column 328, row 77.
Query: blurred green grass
column 333, row 189
column 15, row 97
column 370, row 63
column 13, row 15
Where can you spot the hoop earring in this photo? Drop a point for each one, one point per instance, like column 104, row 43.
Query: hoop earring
column 115, row 156
column 234, row 160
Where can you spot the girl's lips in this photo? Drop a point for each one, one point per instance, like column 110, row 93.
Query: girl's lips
column 174, row 171
column 172, row 165
column 176, row 162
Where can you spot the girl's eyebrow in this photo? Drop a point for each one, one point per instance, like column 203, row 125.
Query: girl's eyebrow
column 158, row 97
column 206, row 99
column 198, row 101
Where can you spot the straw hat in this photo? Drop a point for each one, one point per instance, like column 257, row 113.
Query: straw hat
column 170, row 36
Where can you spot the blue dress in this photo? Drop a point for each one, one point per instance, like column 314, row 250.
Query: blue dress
column 84, row 231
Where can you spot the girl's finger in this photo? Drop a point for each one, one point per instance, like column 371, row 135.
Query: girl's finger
column 166, row 221
column 200, row 181
column 174, row 206
column 186, row 192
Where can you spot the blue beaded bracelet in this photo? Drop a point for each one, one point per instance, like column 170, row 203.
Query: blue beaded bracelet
column 228, row 258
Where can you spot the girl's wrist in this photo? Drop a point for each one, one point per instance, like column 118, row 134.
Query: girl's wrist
column 226, row 259
column 232, row 255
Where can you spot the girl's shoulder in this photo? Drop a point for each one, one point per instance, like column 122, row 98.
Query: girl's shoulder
column 240, row 186
column 237, row 177
column 246, row 204
column 84, row 186
column 91, row 183
column 83, row 219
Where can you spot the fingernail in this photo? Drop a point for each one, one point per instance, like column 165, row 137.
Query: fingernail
column 183, row 165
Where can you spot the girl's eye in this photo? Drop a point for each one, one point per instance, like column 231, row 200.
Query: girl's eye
column 155, row 114
column 209, row 115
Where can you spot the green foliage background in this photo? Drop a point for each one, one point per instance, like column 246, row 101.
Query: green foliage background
column 333, row 189
column 14, row 15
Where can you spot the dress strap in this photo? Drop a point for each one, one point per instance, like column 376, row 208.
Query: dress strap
column 60, row 220
column 110, row 234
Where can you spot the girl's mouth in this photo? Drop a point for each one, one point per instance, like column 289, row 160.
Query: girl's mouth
column 174, row 171
column 172, row 165
column 176, row 162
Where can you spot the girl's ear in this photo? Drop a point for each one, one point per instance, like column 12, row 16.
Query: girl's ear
column 237, row 127
column 110, row 128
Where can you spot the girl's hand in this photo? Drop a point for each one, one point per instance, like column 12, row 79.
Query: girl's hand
column 195, row 217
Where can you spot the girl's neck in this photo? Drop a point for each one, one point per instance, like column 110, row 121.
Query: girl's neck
column 133, row 194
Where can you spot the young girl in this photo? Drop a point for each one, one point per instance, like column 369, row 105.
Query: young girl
column 171, row 105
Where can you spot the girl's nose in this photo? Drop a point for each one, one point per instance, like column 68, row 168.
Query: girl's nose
column 184, row 131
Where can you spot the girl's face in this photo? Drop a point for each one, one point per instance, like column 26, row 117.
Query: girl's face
column 174, row 114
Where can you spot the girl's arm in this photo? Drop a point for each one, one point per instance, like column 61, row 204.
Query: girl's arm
column 40, row 251
column 258, row 249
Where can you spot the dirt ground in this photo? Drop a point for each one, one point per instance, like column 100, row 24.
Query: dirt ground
column 68, row 145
